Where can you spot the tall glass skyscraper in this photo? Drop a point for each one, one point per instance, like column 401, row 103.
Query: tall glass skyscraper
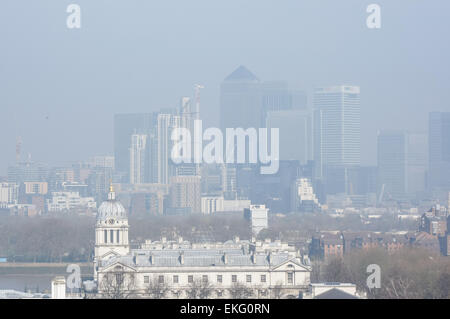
column 245, row 100
column 402, row 163
column 125, row 125
column 137, row 158
column 439, row 150
column 337, row 127
column 240, row 100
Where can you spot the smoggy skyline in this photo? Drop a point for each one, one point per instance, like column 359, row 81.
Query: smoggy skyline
column 61, row 87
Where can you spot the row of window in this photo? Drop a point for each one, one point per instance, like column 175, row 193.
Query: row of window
column 220, row 293
column 219, row 279
column 111, row 236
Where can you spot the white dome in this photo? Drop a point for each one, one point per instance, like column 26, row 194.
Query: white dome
column 111, row 209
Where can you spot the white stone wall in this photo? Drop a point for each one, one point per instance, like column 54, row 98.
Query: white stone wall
column 275, row 279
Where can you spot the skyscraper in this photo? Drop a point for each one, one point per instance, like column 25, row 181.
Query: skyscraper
column 336, row 127
column 392, row 154
column 276, row 96
column 240, row 100
column 185, row 195
column 137, row 158
column 126, row 125
column 245, row 100
column 167, row 121
column 295, row 133
column 402, row 163
column 417, row 149
column 439, row 150
column 163, row 147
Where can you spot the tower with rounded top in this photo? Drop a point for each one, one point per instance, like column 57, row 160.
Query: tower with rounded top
column 111, row 229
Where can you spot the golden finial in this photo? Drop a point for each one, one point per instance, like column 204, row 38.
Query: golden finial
column 111, row 187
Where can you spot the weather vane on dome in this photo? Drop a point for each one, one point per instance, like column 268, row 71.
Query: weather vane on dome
column 111, row 195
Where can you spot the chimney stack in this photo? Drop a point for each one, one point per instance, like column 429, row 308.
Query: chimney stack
column 182, row 258
column 151, row 259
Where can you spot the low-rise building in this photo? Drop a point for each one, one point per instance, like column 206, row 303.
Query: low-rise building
column 65, row 201
column 332, row 290
column 179, row 269
column 258, row 217
column 9, row 193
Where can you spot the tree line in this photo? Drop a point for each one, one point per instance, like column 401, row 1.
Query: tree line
column 410, row 273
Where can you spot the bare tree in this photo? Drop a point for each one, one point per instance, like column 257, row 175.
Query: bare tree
column 117, row 284
column 399, row 288
column 199, row 289
column 240, row 291
column 277, row 291
column 157, row 288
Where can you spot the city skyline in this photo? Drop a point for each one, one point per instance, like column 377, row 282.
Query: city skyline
column 386, row 81
column 224, row 150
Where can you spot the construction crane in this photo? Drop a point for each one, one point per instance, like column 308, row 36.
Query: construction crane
column 380, row 198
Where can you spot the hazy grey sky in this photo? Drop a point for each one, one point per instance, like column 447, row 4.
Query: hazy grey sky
column 59, row 88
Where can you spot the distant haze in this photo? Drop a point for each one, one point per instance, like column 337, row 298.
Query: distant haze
column 59, row 88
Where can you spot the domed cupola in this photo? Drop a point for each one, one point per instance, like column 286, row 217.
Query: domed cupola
column 111, row 229
column 111, row 209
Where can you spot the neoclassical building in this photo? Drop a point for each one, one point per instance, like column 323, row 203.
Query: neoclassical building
column 235, row 269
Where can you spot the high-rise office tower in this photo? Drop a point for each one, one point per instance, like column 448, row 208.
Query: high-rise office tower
column 126, row 125
column 276, row 96
column 439, row 150
column 245, row 100
column 336, row 127
column 240, row 100
column 417, row 148
column 185, row 195
column 137, row 158
column 229, row 181
column 295, row 133
column 167, row 120
column 164, row 121
column 402, row 163
column 151, row 158
column 391, row 152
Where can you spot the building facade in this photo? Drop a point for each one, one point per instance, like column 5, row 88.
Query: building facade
column 439, row 150
column 137, row 158
column 337, row 126
column 180, row 270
